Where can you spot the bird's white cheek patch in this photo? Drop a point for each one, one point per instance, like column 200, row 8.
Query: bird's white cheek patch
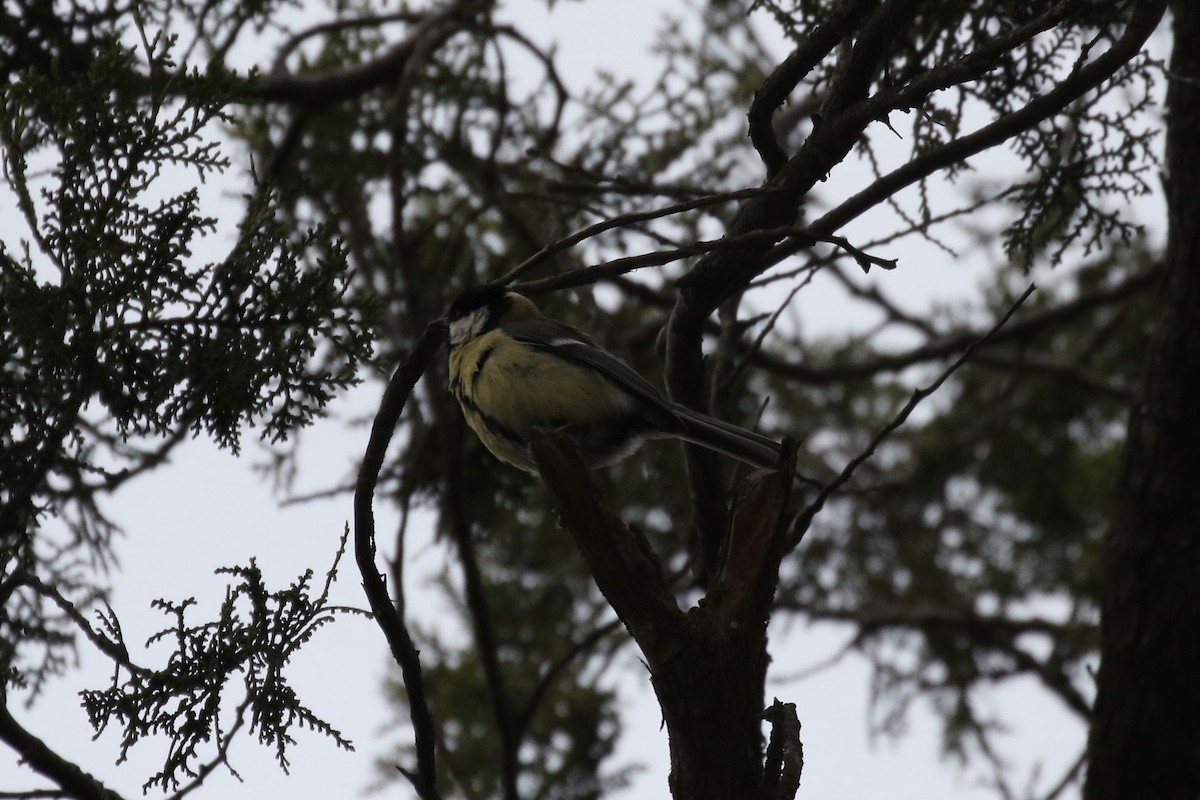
column 468, row 327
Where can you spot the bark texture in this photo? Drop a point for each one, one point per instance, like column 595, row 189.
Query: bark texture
column 1145, row 738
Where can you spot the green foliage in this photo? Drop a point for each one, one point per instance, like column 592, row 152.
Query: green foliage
column 993, row 503
column 117, row 341
column 188, row 701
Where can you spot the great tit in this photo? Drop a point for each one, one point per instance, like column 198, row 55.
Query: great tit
column 513, row 370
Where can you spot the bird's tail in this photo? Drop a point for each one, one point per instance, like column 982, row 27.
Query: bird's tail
column 752, row 448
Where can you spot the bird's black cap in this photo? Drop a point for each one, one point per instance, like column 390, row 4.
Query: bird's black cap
column 476, row 297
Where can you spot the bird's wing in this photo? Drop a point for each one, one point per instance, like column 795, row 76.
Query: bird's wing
column 568, row 344
column 574, row 347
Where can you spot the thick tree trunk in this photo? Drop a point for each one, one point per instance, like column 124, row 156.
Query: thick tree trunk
column 1145, row 738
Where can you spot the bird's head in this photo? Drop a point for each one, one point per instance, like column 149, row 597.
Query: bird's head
column 483, row 308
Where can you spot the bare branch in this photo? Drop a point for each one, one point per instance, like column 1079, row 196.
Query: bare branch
column 923, row 615
column 1072, row 774
column 805, row 517
column 38, row 755
column 323, row 88
column 620, row 221
column 487, row 648
column 404, row 651
column 279, row 67
column 1052, row 677
column 776, row 87
column 551, row 673
column 949, row 343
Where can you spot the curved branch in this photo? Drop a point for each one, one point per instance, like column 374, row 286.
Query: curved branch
column 333, row 26
column 38, row 755
column 321, row 89
column 548, row 677
column 404, row 651
column 1082, row 80
column 620, row 221
column 776, row 87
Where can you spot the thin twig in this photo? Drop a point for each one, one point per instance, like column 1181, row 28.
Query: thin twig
column 585, row 276
column 805, row 517
column 804, row 673
column 1070, row 777
column 550, row 675
column 624, row 220
column 1032, row 323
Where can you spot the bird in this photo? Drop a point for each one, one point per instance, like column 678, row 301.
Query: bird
column 514, row 370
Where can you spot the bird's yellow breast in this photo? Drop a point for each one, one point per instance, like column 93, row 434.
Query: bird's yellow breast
column 506, row 388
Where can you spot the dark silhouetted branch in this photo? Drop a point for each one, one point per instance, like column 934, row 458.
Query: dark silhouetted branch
column 404, row 651
column 37, row 754
column 622, row 562
column 785, row 753
column 776, row 87
column 805, row 518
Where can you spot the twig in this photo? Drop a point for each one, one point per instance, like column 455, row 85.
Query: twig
column 1033, row 322
column 279, row 66
column 594, row 273
column 805, row 517
column 804, row 673
column 623, row 220
column 323, row 88
column 546, row 679
column 864, row 260
column 222, row 756
column 489, row 657
column 1070, row 777
column 114, row 649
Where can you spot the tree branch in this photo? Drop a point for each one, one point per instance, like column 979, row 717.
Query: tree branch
column 723, row 272
column 1141, row 24
column 805, row 518
column 1029, row 324
column 776, row 87
column 324, row 88
column 486, row 647
column 621, row 221
column 550, row 675
column 620, row 559
column 404, row 651
column 923, row 615
column 37, row 754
